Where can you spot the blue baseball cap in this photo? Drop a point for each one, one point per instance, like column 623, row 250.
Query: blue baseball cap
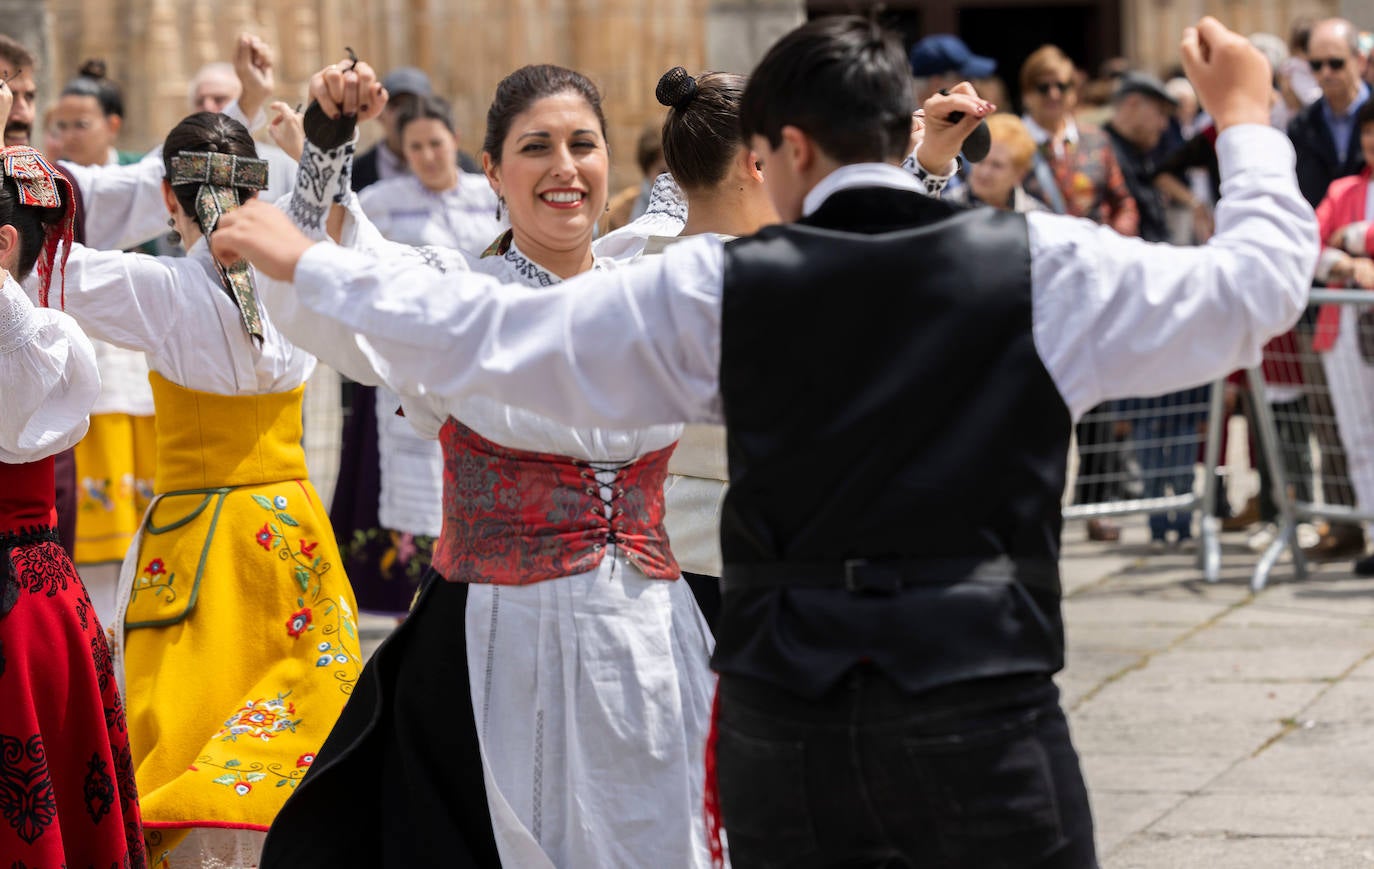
column 945, row 52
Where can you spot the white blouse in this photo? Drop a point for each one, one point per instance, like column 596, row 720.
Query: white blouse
column 176, row 310
column 406, row 211
column 496, row 418
column 48, row 378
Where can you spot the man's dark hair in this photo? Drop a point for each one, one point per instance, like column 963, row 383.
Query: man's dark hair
column 16, row 55
column 430, row 108
column 91, row 81
column 844, row 81
column 205, row 131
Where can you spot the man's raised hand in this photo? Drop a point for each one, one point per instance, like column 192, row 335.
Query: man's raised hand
column 253, row 64
column 1232, row 78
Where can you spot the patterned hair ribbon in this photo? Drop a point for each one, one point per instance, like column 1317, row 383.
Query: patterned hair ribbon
column 220, row 176
column 42, row 186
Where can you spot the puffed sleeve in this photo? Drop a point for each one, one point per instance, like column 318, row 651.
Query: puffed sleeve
column 48, row 379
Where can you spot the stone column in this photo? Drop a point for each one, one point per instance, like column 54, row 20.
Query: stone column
column 30, row 23
column 738, row 32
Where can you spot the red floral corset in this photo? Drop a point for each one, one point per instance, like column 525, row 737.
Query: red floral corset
column 514, row 517
column 26, row 496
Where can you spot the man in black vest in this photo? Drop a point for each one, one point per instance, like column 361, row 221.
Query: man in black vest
column 899, row 380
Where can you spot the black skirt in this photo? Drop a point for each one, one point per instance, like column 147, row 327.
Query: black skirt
column 398, row 783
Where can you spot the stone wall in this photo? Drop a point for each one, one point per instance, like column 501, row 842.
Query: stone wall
column 154, row 46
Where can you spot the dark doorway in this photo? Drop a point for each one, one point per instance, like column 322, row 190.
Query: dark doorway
column 1011, row 33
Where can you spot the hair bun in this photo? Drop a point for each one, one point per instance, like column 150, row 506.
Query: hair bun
column 94, row 68
column 676, row 88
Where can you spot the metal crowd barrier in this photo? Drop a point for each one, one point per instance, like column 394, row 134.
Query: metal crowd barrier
column 1314, row 408
column 1140, row 456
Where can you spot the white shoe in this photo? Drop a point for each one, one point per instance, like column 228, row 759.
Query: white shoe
column 1260, row 540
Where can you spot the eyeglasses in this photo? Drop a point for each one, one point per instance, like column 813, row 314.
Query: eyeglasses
column 63, row 127
column 1043, row 88
column 1336, row 63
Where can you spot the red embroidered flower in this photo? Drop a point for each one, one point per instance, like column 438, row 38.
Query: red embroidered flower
column 242, row 788
column 155, row 567
column 299, row 622
column 265, row 538
column 308, row 549
column 304, row 760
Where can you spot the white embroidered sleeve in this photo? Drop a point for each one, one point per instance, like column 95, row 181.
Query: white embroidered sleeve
column 50, row 380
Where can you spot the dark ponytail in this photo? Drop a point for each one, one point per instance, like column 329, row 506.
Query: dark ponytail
column 701, row 134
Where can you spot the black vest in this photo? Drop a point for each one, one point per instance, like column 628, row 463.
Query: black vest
column 885, row 402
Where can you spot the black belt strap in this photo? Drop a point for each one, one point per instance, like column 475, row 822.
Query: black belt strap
column 890, row 576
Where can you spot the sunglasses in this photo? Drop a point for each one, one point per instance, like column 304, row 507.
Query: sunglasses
column 1044, row 87
column 1336, row 63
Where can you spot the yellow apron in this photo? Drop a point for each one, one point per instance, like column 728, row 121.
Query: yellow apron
column 240, row 635
column 114, row 473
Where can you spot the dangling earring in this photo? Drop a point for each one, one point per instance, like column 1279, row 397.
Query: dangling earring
column 500, row 207
column 173, row 237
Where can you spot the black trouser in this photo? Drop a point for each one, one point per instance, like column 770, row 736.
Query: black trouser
column 979, row 775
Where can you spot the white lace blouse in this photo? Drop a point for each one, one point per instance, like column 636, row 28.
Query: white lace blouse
column 48, row 378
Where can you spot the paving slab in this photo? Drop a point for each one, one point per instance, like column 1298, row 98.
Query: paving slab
column 1229, row 852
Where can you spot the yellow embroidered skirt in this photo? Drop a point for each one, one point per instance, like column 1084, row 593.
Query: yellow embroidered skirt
column 240, row 641
column 114, row 472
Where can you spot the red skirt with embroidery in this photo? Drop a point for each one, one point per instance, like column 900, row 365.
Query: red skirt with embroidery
column 67, row 792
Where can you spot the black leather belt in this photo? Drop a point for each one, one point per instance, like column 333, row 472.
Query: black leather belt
column 890, row 576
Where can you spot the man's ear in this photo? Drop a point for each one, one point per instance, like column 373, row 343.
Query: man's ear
column 798, row 149
column 116, row 124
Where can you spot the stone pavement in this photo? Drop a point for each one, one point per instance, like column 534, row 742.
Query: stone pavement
column 1219, row 729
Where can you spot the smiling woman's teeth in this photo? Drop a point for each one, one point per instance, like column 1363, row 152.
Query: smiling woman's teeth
column 570, row 196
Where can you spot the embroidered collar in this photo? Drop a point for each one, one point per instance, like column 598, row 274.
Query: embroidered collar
column 529, row 271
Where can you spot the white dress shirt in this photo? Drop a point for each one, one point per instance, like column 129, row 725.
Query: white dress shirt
column 1112, row 316
column 48, row 378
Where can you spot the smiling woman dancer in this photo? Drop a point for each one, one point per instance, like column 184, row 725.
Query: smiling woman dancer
column 550, row 655
column 237, row 633
column 66, row 780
